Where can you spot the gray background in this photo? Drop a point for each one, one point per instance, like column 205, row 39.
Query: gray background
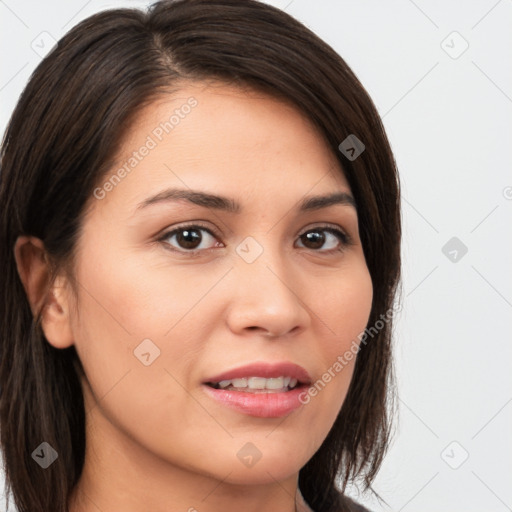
column 447, row 110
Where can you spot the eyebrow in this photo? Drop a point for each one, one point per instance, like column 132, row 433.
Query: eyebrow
column 216, row 202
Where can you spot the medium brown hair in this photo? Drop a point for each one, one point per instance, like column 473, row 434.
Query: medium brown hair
column 65, row 130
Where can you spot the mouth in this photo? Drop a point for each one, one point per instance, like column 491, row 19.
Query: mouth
column 257, row 396
column 261, row 377
column 258, row 384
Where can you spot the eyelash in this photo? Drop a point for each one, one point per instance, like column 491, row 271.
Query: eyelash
column 344, row 239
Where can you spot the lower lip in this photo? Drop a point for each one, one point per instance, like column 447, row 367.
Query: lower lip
column 262, row 405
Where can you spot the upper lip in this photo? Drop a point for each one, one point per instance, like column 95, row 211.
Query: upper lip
column 266, row 370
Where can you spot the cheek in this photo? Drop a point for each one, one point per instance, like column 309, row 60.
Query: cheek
column 133, row 312
column 138, row 297
column 344, row 309
column 345, row 305
column 137, row 335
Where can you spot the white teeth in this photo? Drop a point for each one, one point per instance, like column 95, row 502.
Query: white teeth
column 256, row 383
column 276, row 383
column 260, row 383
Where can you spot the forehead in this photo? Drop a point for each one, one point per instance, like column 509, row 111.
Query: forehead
column 213, row 136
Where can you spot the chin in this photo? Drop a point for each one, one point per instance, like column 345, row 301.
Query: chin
column 277, row 465
column 263, row 474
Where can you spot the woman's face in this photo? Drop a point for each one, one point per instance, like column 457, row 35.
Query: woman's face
column 178, row 287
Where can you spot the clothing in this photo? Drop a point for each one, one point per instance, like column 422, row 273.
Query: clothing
column 302, row 506
column 356, row 507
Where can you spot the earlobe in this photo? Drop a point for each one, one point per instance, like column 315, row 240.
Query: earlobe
column 53, row 302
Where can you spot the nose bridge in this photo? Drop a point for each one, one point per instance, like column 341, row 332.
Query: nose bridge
column 262, row 263
column 266, row 297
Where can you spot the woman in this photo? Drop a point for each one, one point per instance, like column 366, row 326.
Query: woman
column 201, row 239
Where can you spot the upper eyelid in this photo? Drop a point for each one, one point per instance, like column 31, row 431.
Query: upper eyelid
column 213, row 231
column 324, row 225
column 196, row 224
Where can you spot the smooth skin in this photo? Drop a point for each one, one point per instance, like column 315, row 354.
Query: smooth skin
column 155, row 440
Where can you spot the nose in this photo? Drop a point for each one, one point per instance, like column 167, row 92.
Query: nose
column 265, row 299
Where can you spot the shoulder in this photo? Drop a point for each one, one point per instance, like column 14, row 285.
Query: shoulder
column 353, row 506
column 344, row 504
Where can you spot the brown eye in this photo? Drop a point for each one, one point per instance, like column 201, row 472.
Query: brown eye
column 326, row 239
column 190, row 239
column 313, row 239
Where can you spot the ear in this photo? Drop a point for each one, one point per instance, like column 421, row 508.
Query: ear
column 34, row 271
